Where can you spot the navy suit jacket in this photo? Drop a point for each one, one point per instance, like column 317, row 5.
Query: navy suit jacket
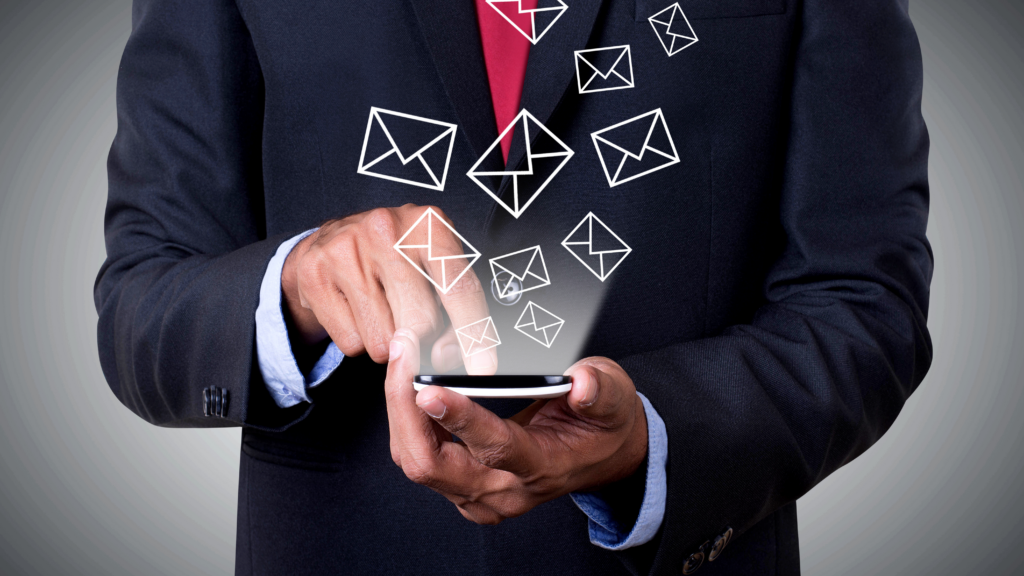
column 773, row 308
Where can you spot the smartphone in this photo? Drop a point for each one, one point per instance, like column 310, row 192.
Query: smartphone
column 536, row 387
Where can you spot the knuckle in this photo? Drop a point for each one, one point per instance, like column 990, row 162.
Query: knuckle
column 381, row 224
column 420, row 472
column 468, row 285
column 512, row 507
column 341, row 250
column 339, row 253
column 437, row 210
column 312, row 269
column 423, row 321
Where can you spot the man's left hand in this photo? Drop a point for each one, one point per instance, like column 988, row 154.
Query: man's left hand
column 502, row 468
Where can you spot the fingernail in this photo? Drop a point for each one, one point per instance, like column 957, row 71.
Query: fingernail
column 588, row 384
column 434, row 407
column 395, row 350
column 450, row 356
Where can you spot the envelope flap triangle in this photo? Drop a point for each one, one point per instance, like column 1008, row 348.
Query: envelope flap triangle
column 603, row 240
column 517, row 263
column 680, row 26
column 629, row 136
column 604, row 61
column 475, row 331
column 581, row 235
column 410, row 172
column 550, row 5
column 411, row 136
column 436, row 157
column 663, row 17
column 492, row 163
column 543, row 19
column 660, row 139
column 511, row 10
column 466, row 341
column 542, row 141
column 544, row 319
column 661, row 28
column 377, row 142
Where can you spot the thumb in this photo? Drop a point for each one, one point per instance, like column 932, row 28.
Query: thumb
column 406, row 423
column 596, row 393
column 495, row 443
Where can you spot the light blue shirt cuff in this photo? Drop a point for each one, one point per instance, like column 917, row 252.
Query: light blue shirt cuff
column 286, row 383
column 604, row 531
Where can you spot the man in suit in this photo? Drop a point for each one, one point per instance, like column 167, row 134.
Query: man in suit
column 765, row 327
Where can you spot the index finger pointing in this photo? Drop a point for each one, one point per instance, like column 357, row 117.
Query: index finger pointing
column 467, row 307
column 449, row 263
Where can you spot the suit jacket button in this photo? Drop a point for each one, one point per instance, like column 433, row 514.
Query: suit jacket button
column 695, row 560
column 720, row 543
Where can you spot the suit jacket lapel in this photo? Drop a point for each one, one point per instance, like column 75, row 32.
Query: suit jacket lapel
column 550, row 71
column 453, row 36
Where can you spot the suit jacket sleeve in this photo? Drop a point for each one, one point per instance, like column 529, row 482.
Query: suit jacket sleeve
column 185, row 239
column 760, row 413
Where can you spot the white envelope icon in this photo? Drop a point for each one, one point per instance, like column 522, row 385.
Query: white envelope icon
column 478, row 336
column 546, row 155
column 596, row 246
column 533, row 24
column 635, row 148
column 603, row 69
column 433, row 261
column 525, row 266
column 539, row 324
column 407, row 149
column 673, row 29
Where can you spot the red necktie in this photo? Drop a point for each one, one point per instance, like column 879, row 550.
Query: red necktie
column 505, row 54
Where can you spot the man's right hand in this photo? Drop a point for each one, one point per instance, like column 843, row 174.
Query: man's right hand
column 347, row 282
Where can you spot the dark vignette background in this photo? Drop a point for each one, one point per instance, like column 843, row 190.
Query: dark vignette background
column 88, row 488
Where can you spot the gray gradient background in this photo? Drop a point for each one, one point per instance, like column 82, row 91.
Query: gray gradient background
column 88, row 488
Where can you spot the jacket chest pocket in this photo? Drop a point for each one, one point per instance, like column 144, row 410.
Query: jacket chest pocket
column 708, row 9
